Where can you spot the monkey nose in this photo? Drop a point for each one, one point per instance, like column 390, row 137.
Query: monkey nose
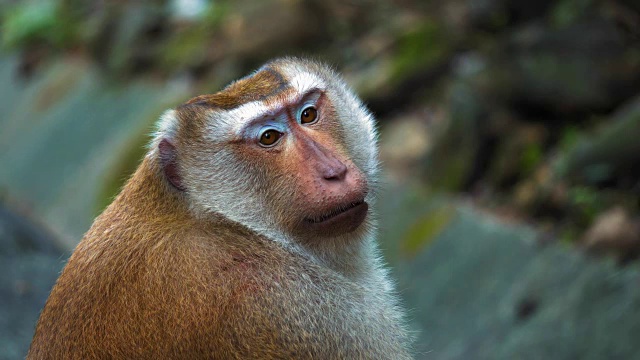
column 336, row 171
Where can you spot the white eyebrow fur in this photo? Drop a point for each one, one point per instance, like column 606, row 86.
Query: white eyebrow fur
column 301, row 81
column 240, row 116
column 305, row 81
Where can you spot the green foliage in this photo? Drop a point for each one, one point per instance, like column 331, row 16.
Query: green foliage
column 36, row 22
column 569, row 235
column 426, row 229
column 586, row 202
column 567, row 12
column 187, row 46
column 570, row 137
column 420, row 48
column 531, row 157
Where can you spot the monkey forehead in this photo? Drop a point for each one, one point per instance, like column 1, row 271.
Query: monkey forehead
column 267, row 83
column 263, row 84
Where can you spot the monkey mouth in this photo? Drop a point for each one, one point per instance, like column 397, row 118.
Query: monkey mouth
column 343, row 219
column 336, row 212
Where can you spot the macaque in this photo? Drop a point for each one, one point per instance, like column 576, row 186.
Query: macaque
column 246, row 232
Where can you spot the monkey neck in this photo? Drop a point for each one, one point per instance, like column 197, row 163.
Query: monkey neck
column 351, row 255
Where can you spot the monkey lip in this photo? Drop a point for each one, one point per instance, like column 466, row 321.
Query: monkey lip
column 343, row 219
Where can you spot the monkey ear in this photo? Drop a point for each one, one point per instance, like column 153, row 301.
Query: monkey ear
column 168, row 162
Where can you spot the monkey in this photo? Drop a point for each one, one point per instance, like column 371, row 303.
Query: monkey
column 246, row 232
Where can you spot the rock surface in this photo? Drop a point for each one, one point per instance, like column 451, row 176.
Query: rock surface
column 29, row 266
column 64, row 133
column 481, row 289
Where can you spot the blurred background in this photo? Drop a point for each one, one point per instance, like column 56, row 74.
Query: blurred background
column 510, row 140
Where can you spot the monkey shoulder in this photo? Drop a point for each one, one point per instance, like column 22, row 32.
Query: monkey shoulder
column 294, row 308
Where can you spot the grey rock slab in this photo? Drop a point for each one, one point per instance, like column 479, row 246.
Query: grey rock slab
column 483, row 289
column 29, row 266
column 64, row 131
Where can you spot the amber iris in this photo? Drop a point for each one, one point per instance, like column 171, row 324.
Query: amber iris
column 269, row 137
column 308, row 115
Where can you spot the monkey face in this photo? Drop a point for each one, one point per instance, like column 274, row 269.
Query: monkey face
column 298, row 151
column 287, row 148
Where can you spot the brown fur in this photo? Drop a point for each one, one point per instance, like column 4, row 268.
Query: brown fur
column 136, row 288
column 259, row 86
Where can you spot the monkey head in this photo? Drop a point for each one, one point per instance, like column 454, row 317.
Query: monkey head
column 289, row 151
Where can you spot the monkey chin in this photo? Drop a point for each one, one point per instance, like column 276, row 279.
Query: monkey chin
column 342, row 220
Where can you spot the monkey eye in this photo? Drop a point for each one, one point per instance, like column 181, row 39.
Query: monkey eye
column 308, row 115
column 270, row 137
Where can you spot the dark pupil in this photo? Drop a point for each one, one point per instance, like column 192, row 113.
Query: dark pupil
column 308, row 115
column 269, row 137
